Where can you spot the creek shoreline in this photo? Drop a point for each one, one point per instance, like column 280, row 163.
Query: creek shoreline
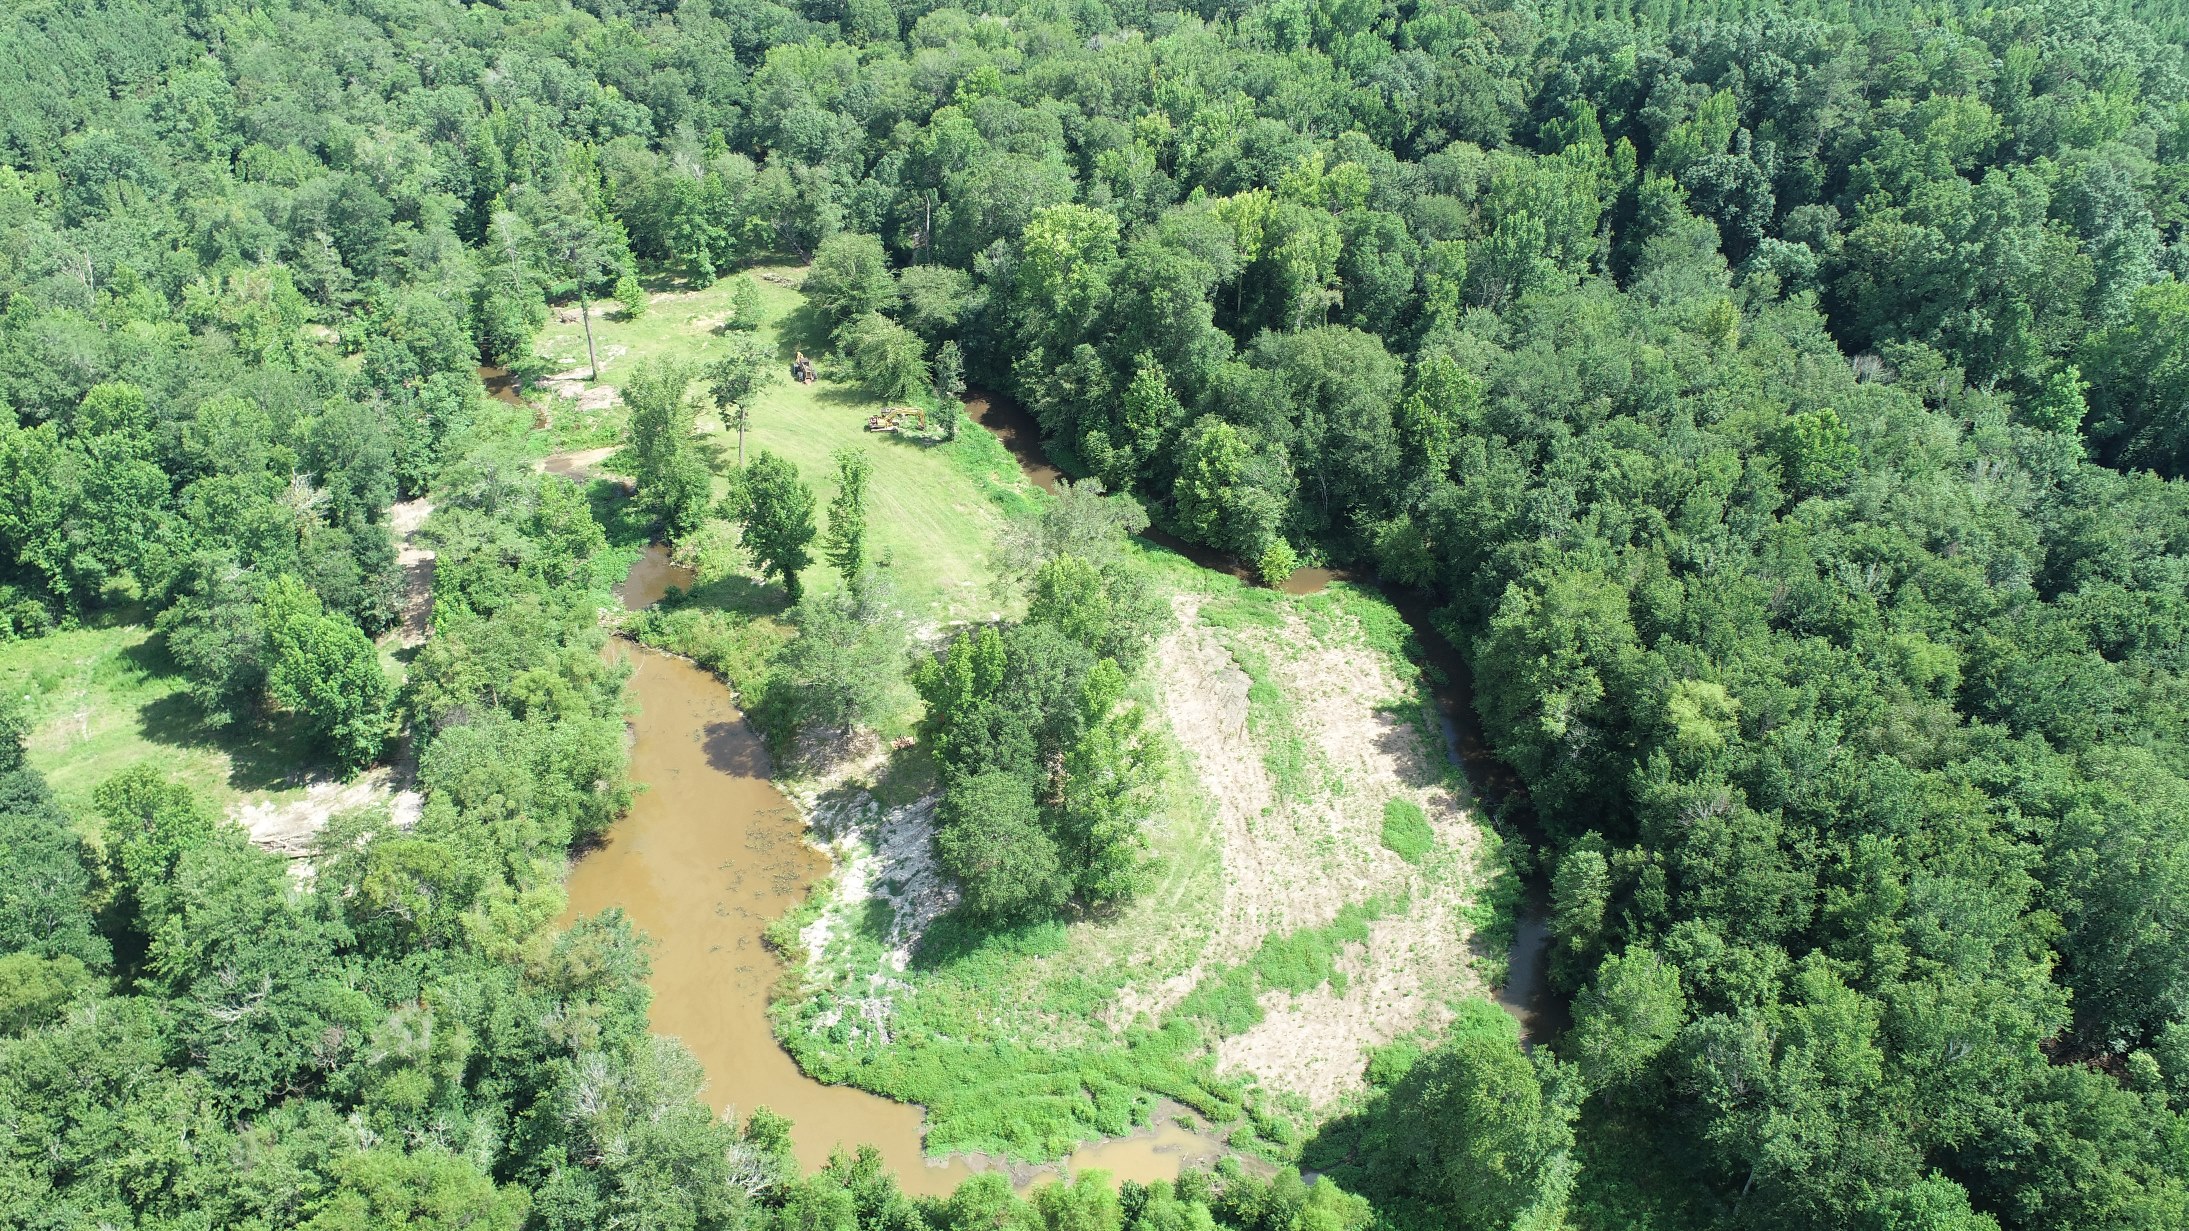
column 1156, row 1149
column 1525, row 993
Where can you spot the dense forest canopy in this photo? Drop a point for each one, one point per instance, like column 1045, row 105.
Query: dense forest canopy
column 1786, row 405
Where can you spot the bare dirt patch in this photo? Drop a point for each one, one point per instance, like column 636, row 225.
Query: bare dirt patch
column 580, row 464
column 289, row 827
column 1291, row 863
column 405, row 519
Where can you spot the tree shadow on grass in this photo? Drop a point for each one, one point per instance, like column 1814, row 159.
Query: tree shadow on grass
column 801, row 329
column 961, row 936
column 262, row 756
column 851, row 397
column 733, row 592
column 1414, row 752
column 268, row 753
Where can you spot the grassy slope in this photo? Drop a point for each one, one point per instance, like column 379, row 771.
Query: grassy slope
column 104, row 698
column 1008, row 1038
column 935, row 510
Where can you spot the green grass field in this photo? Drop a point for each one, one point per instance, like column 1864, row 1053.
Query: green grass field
column 935, row 509
column 104, row 699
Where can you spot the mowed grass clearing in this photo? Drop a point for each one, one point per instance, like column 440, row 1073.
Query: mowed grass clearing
column 935, row 509
column 104, row 699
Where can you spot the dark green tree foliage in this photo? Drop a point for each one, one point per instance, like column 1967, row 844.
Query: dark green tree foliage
column 341, row 1031
column 1046, row 780
column 1725, row 372
column 45, row 873
column 886, row 358
column 777, row 509
column 1475, row 1134
column 846, row 667
column 323, row 671
column 845, row 543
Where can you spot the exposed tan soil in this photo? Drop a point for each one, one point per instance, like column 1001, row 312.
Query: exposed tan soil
column 289, row 827
column 404, row 521
column 1294, row 863
column 577, row 463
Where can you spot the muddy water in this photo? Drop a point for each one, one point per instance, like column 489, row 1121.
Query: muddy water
column 1527, row 993
column 501, row 384
column 1015, row 427
column 652, row 577
column 709, row 854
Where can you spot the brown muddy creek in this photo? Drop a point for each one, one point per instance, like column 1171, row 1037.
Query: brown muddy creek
column 709, row 854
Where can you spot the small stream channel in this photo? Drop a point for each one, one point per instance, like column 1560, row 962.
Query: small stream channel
column 1527, row 993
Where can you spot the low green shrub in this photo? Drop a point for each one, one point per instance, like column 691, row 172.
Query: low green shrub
column 1406, row 831
column 1296, row 962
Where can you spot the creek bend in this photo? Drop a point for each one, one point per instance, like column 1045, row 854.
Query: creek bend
column 709, row 854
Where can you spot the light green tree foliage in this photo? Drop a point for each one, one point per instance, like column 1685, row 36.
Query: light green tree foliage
column 674, row 482
column 776, row 507
column 150, row 824
column 887, row 359
column 1064, row 255
column 1107, row 790
column 1088, row 1203
column 934, row 298
column 430, row 1190
column 1817, row 451
column 736, row 379
column 845, row 543
column 1110, row 607
column 2061, row 405
column 1626, row 1018
column 1554, row 646
column 849, row 279
column 579, row 247
column 1221, row 497
column 1580, row 896
column 1482, row 1131
column 632, row 296
column 2121, row 870
column 34, row 990
column 846, row 667
column 949, row 389
column 1442, row 403
column 1083, row 520
column 1033, row 715
column 321, row 669
column 745, row 306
